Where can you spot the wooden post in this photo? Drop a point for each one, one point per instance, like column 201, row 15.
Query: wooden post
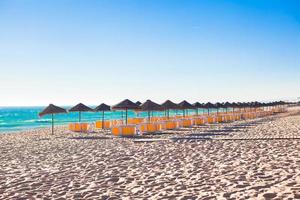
column 52, row 124
column 126, row 116
column 103, row 119
column 149, row 115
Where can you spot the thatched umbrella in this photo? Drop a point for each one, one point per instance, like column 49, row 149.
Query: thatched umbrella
column 138, row 103
column 125, row 105
column 234, row 106
column 197, row 105
column 227, row 105
column 102, row 108
column 208, row 106
column 80, row 108
column 244, row 105
column 255, row 105
column 184, row 105
column 139, row 109
column 218, row 106
column 169, row 105
column 240, row 105
column 51, row 110
column 150, row 106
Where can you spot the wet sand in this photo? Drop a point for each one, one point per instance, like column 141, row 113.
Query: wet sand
column 258, row 159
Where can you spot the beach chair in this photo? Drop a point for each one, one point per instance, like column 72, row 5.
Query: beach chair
column 220, row 118
column 71, row 127
column 124, row 130
column 228, row 118
column 147, row 128
column 211, row 119
column 160, row 126
column 171, row 125
column 107, row 124
column 187, row 123
column 199, row 121
column 135, row 120
column 84, row 127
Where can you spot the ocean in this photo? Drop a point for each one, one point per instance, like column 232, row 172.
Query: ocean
column 14, row 119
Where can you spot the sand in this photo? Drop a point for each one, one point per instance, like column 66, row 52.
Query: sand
column 258, row 159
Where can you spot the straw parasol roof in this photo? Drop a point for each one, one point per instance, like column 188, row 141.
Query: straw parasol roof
column 218, row 105
column 51, row 110
column 102, row 107
column 235, row 105
column 150, row 105
column 240, row 104
column 80, row 108
column 167, row 105
column 185, row 105
column 126, row 104
column 138, row 103
column 227, row 105
column 209, row 105
column 197, row 105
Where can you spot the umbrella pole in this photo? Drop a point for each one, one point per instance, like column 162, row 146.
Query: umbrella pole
column 79, row 116
column 103, row 119
column 52, row 124
column 149, row 115
column 126, row 116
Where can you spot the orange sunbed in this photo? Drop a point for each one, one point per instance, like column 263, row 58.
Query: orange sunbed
column 107, row 124
column 124, row 130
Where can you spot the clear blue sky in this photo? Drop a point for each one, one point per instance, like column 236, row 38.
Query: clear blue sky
column 68, row 51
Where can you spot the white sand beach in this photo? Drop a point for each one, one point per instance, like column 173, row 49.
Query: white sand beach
column 258, row 159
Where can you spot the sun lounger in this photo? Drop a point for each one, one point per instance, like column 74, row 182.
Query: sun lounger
column 199, row 121
column 107, row 124
column 171, row 125
column 211, row 119
column 147, row 128
column 135, row 120
column 160, row 126
column 124, row 130
column 79, row 127
column 186, row 123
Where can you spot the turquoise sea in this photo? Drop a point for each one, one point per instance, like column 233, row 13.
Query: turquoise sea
column 20, row 118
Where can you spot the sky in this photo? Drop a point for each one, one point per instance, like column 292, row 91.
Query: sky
column 70, row 51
